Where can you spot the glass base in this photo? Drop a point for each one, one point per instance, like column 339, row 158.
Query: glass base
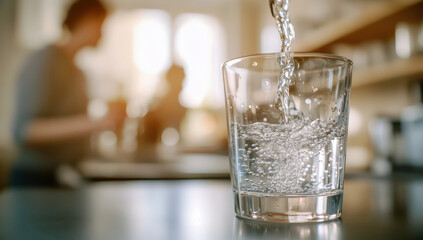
column 288, row 208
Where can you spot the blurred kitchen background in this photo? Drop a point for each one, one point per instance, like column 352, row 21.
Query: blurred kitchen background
column 142, row 39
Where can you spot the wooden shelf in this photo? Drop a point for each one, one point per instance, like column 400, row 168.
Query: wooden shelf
column 401, row 68
column 374, row 22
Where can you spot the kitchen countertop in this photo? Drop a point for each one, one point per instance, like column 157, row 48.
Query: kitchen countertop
column 374, row 208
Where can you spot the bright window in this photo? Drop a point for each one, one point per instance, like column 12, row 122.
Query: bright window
column 151, row 42
column 132, row 58
column 199, row 48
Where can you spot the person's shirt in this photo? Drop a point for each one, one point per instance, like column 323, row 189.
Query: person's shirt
column 49, row 86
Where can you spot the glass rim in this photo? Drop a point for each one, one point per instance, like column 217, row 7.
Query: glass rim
column 296, row 54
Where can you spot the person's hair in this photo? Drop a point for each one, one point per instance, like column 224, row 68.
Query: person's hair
column 83, row 8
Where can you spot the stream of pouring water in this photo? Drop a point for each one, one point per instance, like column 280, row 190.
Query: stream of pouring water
column 279, row 9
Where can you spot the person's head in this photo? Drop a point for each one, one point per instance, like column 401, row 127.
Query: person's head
column 175, row 76
column 84, row 19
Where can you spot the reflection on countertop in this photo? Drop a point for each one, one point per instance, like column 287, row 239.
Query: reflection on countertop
column 246, row 229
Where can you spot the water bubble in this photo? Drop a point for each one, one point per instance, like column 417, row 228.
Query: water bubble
column 307, row 101
column 279, row 155
column 314, row 89
column 264, row 119
column 254, row 64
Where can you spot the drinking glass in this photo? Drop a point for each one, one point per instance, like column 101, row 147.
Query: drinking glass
column 288, row 170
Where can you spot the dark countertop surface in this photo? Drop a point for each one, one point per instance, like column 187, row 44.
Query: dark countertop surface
column 374, row 208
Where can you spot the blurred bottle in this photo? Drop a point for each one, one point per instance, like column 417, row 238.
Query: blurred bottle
column 117, row 110
column 398, row 141
column 420, row 38
column 383, row 136
column 412, row 130
column 408, row 39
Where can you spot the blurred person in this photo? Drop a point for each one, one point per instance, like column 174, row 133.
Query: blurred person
column 51, row 125
column 168, row 112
